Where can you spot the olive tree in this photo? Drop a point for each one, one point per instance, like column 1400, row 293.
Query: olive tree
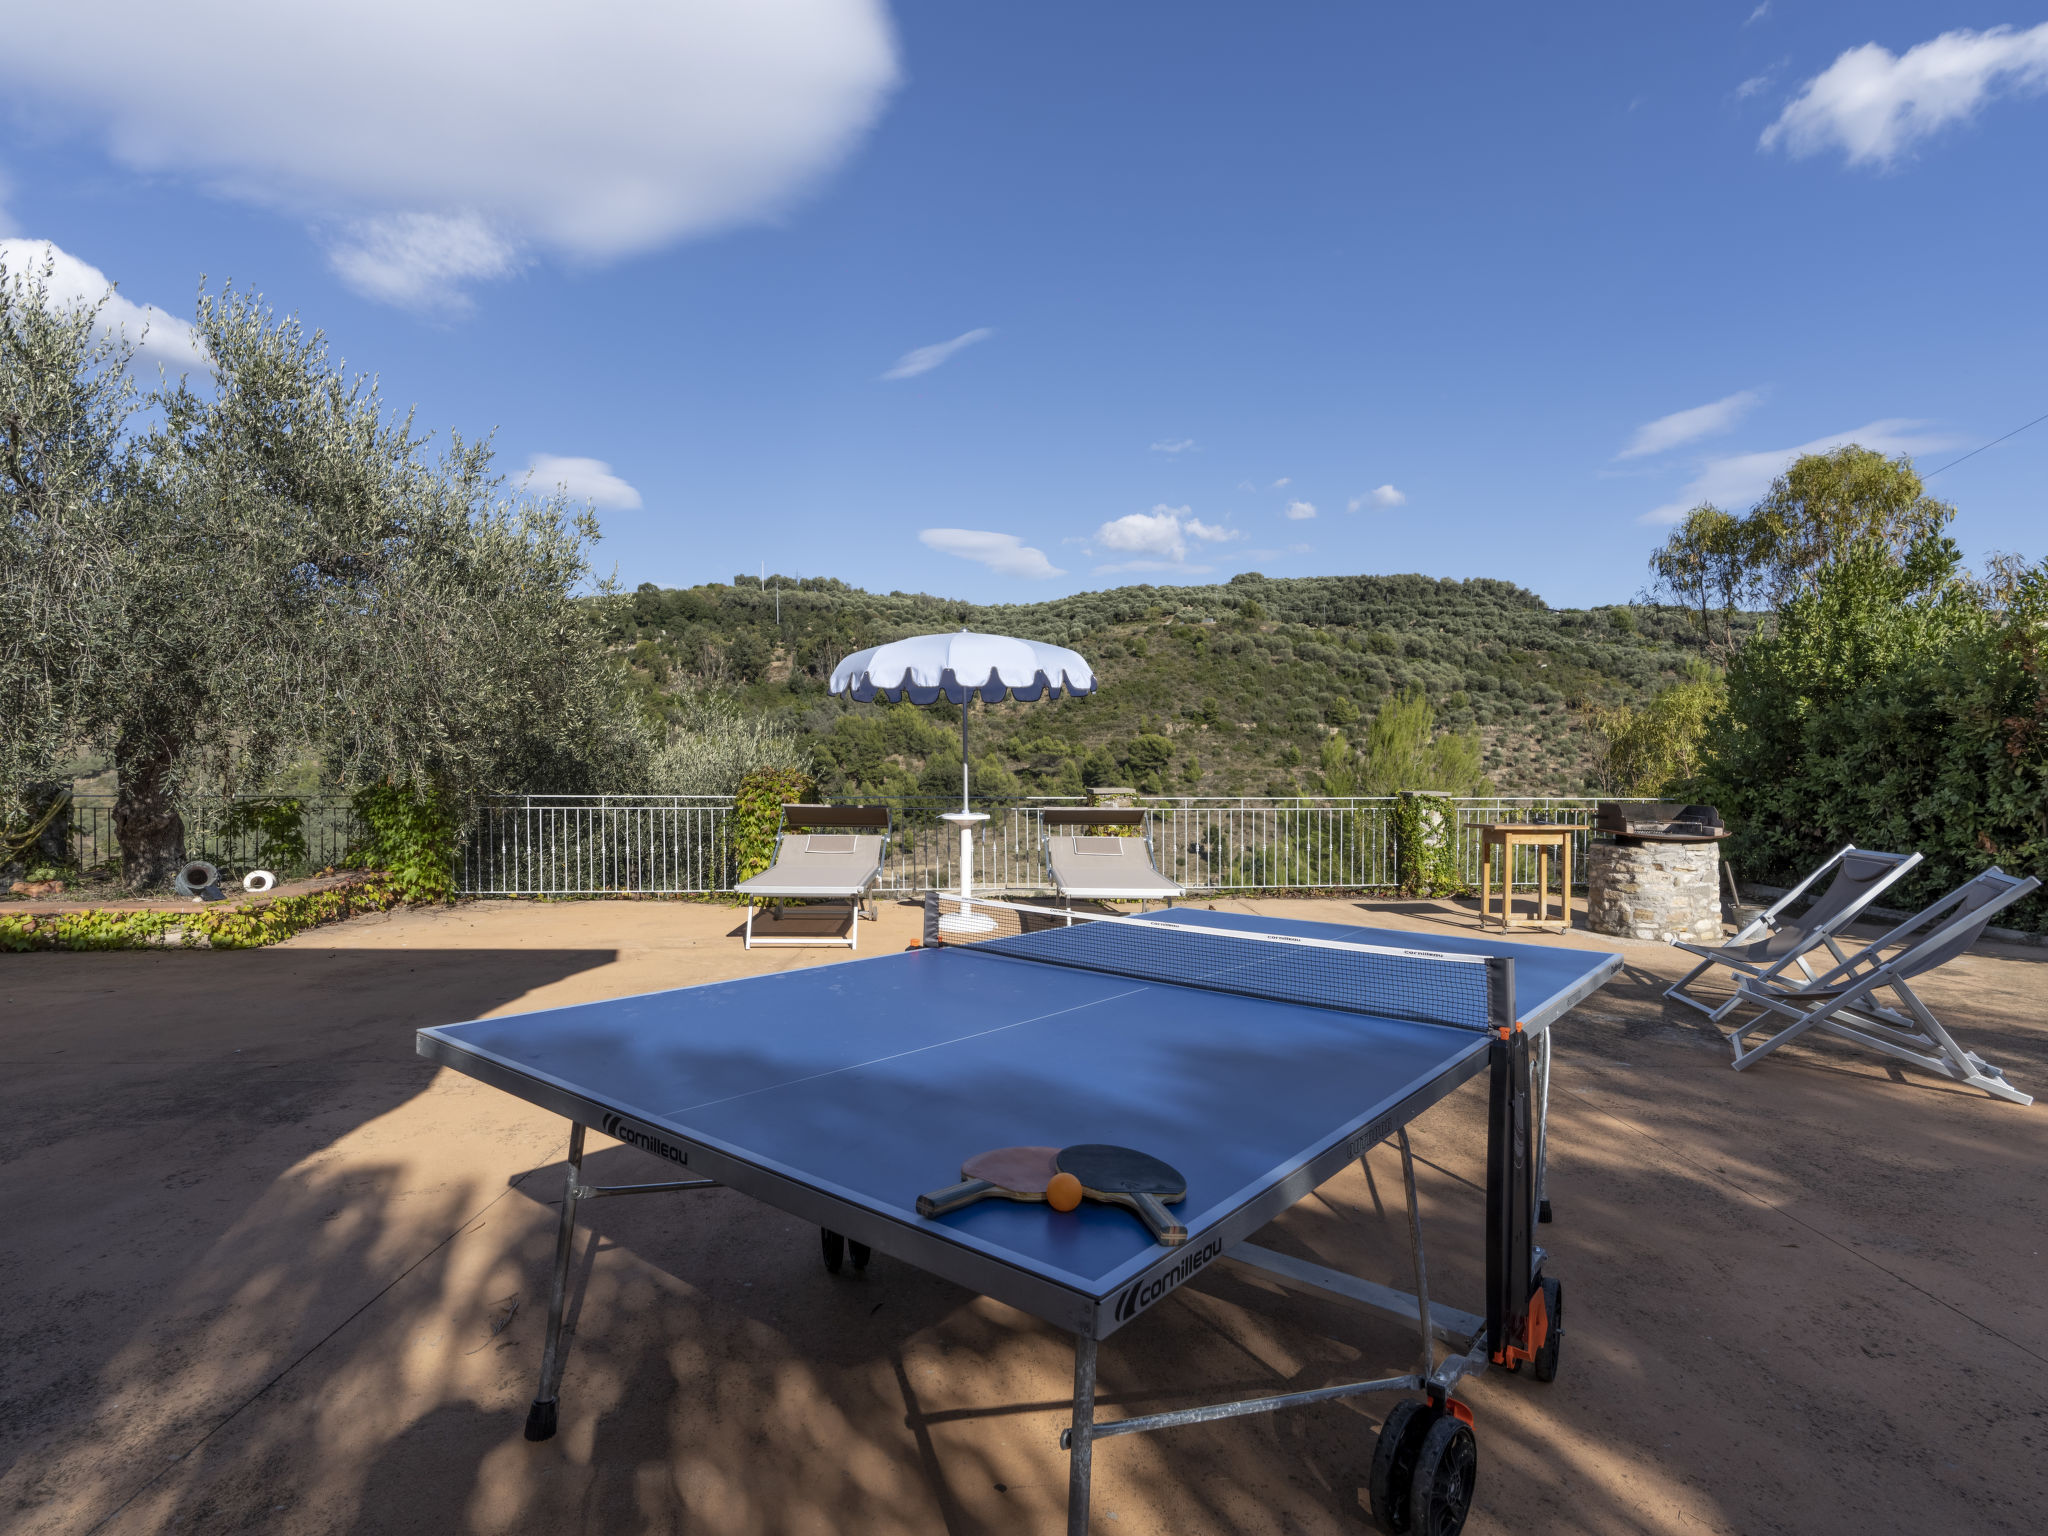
column 66, row 396
column 288, row 572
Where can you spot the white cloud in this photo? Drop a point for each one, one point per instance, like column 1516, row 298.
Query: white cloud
column 1174, row 445
column 1379, row 496
column 1738, row 480
column 1300, row 511
column 1282, row 483
column 1159, row 539
column 157, row 336
column 593, row 131
column 1758, row 14
column 1754, row 85
column 1873, row 105
column 588, row 480
column 924, row 359
column 1003, row 553
column 1681, row 427
column 421, row 260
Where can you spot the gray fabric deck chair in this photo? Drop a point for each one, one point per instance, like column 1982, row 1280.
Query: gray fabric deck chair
column 1843, row 1001
column 823, row 853
column 1773, row 943
column 1088, row 868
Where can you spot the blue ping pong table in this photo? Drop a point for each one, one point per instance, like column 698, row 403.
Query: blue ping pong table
column 1259, row 1056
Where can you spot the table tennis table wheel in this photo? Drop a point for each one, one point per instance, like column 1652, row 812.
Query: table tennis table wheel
column 1393, row 1463
column 860, row 1254
column 1423, row 1471
column 1446, row 1470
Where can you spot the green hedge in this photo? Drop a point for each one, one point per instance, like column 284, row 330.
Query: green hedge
column 248, row 925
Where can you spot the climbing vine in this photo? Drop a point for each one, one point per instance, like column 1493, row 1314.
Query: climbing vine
column 757, row 815
column 1426, row 846
column 410, row 837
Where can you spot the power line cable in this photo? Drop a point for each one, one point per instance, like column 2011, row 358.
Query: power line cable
column 2015, row 432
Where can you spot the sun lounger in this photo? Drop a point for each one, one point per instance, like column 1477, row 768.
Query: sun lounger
column 1096, row 868
column 1843, row 1002
column 1775, row 943
column 823, row 853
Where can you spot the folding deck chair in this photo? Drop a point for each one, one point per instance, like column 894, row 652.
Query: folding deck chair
column 1089, row 868
column 1773, row 941
column 822, row 853
column 1843, row 1001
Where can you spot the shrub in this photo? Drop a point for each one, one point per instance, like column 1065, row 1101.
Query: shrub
column 714, row 746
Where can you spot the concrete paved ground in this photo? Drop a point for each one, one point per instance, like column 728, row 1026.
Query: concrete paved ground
column 266, row 1270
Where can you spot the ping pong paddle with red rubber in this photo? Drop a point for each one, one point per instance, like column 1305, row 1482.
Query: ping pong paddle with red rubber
column 1121, row 1176
column 1007, row 1173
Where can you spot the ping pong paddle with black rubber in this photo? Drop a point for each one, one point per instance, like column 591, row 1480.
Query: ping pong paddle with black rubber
column 1008, row 1173
column 1122, row 1176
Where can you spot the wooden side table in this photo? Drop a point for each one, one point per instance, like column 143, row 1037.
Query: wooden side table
column 1507, row 837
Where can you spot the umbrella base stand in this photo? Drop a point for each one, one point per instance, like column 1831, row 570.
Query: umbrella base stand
column 966, row 920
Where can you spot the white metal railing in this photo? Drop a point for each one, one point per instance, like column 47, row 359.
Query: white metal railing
column 539, row 845
column 595, row 845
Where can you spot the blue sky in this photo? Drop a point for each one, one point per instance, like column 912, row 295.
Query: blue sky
column 1004, row 302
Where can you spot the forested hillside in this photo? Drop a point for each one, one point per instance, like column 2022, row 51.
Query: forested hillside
column 1233, row 688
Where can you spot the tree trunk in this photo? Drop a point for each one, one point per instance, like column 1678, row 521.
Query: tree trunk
column 151, row 832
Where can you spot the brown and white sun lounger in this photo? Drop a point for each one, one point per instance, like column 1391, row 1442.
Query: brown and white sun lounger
column 823, row 853
column 1844, row 1002
column 1773, row 948
column 1085, row 867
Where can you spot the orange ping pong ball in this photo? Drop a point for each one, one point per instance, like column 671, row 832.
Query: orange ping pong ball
column 1063, row 1192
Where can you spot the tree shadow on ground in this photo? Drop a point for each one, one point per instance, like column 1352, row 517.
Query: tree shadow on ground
column 180, row 1228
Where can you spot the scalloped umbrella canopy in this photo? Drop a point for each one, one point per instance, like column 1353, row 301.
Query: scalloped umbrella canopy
column 957, row 667
column 927, row 668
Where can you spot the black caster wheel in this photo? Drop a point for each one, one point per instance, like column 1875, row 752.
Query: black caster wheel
column 1545, row 1364
column 1543, row 1212
column 860, row 1254
column 1446, row 1468
column 1393, row 1463
column 835, row 1250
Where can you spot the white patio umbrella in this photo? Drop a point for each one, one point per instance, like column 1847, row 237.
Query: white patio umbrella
column 957, row 668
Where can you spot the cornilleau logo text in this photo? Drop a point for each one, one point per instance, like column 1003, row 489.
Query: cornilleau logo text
column 647, row 1141
column 1145, row 1292
column 1371, row 1136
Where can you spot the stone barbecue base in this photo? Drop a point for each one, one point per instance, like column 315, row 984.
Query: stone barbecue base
column 1654, row 890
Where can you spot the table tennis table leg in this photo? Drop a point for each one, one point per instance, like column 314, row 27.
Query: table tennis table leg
column 1081, row 1439
column 1428, row 1369
column 1543, row 1129
column 540, row 1418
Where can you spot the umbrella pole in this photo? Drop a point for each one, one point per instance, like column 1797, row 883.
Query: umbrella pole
column 967, row 920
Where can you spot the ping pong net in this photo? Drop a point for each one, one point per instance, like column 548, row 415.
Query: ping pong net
column 1385, row 981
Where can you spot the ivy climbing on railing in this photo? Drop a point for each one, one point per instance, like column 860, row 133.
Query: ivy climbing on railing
column 757, row 815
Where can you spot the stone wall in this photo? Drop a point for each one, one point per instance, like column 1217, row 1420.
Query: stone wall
column 1654, row 890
